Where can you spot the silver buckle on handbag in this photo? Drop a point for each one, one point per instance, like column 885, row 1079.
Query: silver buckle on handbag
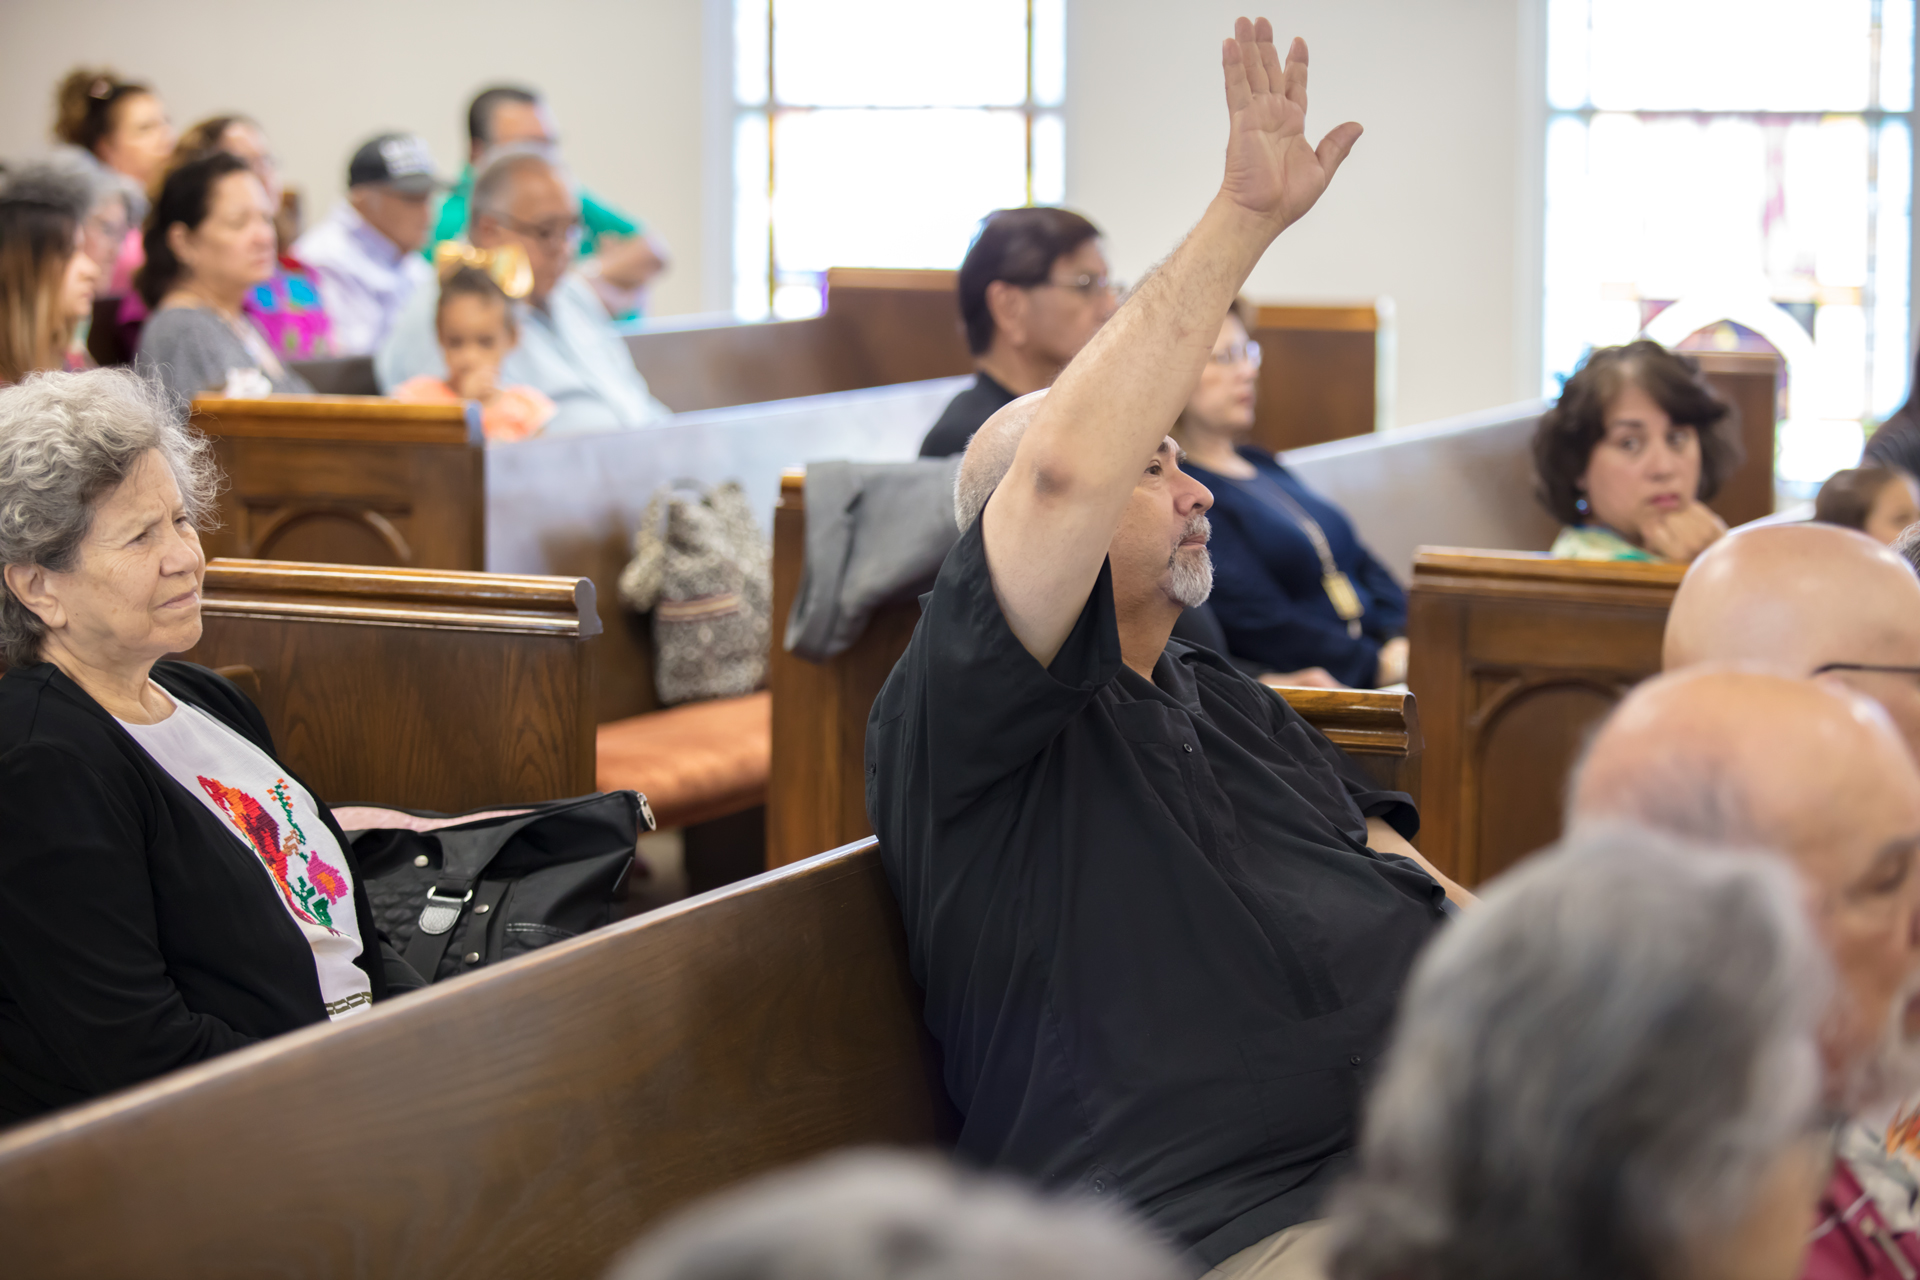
column 441, row 913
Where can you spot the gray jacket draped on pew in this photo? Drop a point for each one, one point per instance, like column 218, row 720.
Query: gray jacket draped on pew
column 876, row 532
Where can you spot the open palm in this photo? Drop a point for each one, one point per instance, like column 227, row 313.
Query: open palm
column 1271, row 169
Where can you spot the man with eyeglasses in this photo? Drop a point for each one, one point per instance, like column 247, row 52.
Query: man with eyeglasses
column 1806, row 599
column 1817, row 773
column 568, row 348
column 1820, row 600
column 1034, row 289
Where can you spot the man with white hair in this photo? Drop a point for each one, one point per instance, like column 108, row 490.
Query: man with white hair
column 1161, row 923
column 568, row 350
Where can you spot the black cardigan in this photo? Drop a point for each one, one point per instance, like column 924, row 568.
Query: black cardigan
column 137, row 932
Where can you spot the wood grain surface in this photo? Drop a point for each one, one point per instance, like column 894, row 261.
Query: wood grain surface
column 1515, row 658
column 429, row 690
column 348, row 480
column 1319, row 373
column 526, row 1121
column 1750, row 382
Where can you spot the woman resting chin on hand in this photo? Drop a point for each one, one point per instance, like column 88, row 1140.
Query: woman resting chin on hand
column 1628, row 457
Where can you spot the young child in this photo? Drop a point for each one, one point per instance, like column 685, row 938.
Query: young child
column 476, row 328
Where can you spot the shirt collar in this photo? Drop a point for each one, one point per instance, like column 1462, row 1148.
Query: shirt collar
column 370, row 242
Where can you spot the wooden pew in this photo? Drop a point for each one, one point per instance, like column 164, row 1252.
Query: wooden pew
column 432, row 690
column 1320, row 380
column 1515, row 658
column 348, row 480
column 1325, row 372
column 816, row 793
column 524, row 1121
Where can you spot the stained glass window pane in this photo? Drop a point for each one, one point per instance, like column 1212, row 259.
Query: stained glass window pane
column 750, row 212
column 1731, row 55
column 881, row 53
column 891, row 188
column 1892, row 261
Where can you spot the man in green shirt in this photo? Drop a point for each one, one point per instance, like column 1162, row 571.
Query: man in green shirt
column 619, row 256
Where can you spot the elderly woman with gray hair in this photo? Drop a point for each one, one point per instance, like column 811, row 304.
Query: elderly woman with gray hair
column 169, row 890
column 1608, row 1071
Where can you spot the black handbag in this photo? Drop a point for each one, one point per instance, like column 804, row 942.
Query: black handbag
column 457, row 892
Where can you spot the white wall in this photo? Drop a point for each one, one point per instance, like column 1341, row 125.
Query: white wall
column 322, row 76
column 1431, row 209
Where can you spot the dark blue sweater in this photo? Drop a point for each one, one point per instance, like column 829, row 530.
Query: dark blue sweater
column 1266, row 580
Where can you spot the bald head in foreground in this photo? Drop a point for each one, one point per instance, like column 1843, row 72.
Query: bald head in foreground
column 1818, row 773
column 1806, row 599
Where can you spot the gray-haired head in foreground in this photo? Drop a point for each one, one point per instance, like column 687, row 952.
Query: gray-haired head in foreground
column 501, row 170
column 1907, row 545
column 871, row 1215
column 1591, row 1072
column 67, row 439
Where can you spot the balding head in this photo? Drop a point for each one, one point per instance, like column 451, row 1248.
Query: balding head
column 1807, row 768
column 1799, row 597
column 989, row 457
column 521, row 197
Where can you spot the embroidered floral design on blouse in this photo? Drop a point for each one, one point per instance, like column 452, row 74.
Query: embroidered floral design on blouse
column 310, row 885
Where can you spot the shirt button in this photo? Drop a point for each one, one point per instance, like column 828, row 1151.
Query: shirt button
column 1099, row 1184
column 1186, row 746
column 473, row 957
column 1355, row 1060
column 420, row 860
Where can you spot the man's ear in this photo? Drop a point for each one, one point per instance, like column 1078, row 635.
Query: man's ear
column 1007, row 304
column 31, row 586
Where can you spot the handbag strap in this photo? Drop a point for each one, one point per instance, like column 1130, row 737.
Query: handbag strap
column 425, row 950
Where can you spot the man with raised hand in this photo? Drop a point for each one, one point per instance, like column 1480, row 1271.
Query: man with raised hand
column 1162, row 924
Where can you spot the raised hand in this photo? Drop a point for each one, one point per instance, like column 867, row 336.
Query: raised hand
column 1272, row 172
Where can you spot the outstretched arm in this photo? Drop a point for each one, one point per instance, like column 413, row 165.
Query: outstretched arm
column 1048, row 524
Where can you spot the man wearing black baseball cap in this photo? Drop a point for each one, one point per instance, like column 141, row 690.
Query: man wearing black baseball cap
column 366, row 250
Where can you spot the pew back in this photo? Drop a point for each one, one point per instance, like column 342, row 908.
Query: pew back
column 1323, row 376
column 427, row 689
column 524, row 1121
column 816, row 792
column 347, row 480
column 1515, row 658
column 1326, row 372
column 1469, row 481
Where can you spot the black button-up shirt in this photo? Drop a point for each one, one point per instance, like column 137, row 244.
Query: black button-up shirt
column 965, row 414
column 1157, row 952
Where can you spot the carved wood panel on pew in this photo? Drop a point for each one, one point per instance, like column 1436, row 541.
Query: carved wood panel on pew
column 816, row 794
column 1515, row 658
column 347, row 480
column 427, row 689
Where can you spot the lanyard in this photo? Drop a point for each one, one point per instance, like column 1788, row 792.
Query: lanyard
column 1339, row 587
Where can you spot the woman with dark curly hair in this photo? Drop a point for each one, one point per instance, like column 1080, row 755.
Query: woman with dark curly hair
column 1628, row 457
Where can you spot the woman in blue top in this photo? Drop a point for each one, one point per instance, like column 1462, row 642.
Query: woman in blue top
column 1293, row 588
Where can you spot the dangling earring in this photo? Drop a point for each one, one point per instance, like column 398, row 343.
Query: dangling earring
column 1580, row 505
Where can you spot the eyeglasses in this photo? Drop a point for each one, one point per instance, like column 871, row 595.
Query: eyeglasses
column 1248, row 352
column 552, row 234
column 1087, row 286
column 1881, row 668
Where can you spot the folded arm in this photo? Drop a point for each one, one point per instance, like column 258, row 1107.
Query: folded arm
column 1048, row 525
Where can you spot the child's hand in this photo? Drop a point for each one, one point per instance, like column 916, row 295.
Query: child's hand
column 477, row 381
